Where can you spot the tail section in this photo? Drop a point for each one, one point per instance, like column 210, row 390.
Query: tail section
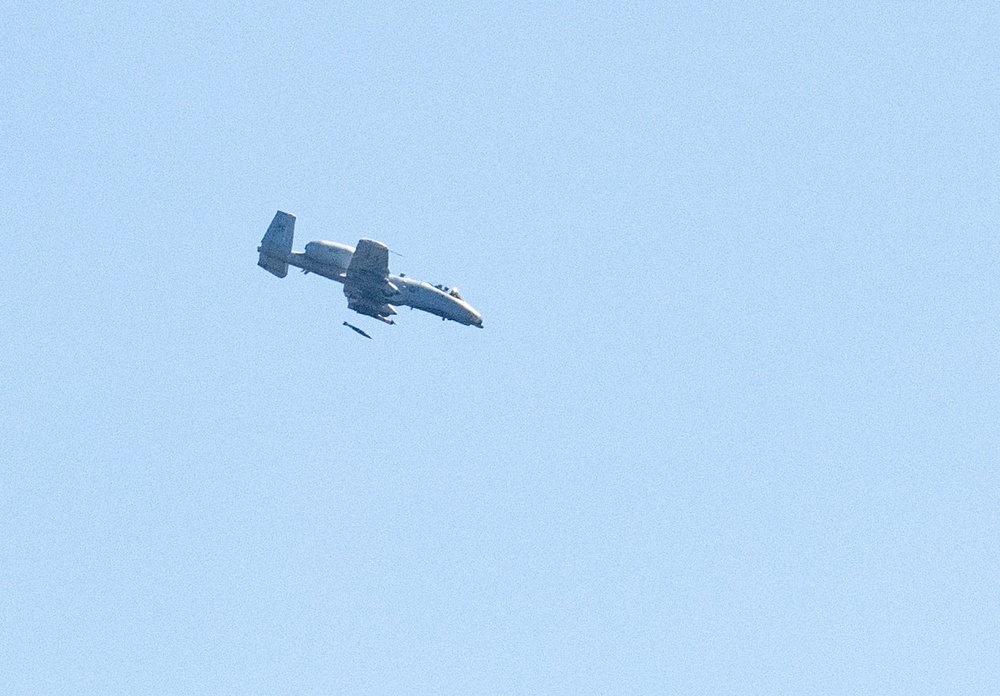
column 277, row 245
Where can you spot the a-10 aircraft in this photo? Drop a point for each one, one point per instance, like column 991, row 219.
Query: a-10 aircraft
column 370, row 288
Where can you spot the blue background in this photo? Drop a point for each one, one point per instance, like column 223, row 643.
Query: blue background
column 731, row 427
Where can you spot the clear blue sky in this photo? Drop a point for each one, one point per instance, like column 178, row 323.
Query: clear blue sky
column 732, row 426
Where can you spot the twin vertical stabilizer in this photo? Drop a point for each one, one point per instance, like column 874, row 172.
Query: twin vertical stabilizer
column 276, row 246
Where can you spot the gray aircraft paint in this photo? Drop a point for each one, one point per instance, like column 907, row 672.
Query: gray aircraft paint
column 364, row 271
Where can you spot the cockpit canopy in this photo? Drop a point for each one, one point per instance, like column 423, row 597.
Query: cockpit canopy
column 451, row 291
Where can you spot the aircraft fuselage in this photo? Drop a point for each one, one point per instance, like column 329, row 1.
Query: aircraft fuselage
column 330, row 260
column 364, row 271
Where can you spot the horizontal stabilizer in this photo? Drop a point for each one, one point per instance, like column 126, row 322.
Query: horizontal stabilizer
column 276, row 246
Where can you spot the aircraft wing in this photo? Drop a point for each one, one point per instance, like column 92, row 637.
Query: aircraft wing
column 370, row 262
column 367, row 280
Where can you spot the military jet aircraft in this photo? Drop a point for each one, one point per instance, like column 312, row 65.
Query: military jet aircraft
column 370, row 288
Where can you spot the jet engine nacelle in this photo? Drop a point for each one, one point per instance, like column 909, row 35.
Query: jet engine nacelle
column 330, row 253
